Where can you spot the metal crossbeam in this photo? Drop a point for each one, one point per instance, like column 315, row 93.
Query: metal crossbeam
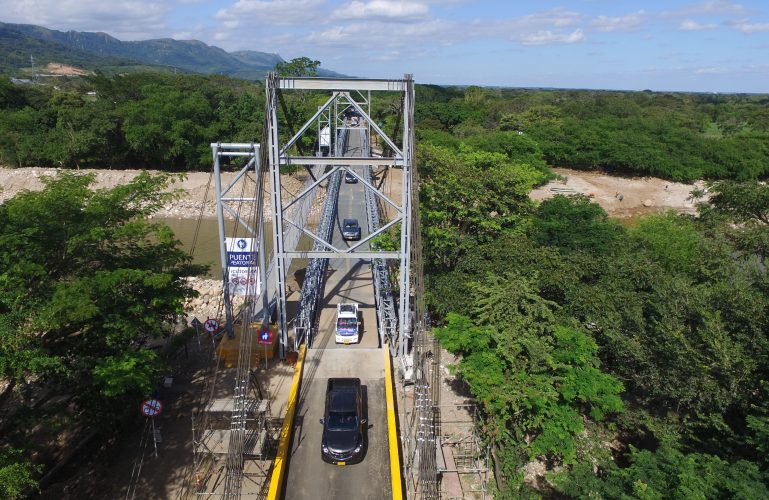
column 325, row 160
column 340, row 84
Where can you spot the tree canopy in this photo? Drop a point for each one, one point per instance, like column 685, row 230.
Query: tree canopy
column 300, row 66
column 87, row 282
column 631, row 361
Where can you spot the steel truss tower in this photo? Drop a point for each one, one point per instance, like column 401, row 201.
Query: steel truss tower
column 347, row 94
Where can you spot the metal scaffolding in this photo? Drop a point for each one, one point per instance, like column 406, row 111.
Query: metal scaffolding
column 463, row 459
column 231, row 429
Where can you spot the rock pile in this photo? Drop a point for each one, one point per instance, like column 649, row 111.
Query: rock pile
column 210, row 301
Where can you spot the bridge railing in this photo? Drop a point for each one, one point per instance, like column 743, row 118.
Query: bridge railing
column 387, row 316
column 312, row 287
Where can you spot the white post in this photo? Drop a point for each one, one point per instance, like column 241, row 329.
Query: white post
column 154, row 437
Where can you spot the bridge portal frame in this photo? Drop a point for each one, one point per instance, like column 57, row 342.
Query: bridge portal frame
column 403, row 157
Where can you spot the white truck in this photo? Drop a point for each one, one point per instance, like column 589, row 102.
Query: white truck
column 347, row 323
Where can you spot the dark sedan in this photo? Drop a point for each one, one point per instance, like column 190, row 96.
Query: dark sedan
column 344, row 440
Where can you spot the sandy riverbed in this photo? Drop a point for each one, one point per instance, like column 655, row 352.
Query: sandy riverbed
column 622, row 197
column 197, row 188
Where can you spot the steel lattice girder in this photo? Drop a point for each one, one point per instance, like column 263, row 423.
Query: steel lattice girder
column 403, row 158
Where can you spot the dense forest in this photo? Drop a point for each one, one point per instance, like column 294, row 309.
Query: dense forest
column 90, row 293
column 141, row 120
column 632, row 361
column 167, row 121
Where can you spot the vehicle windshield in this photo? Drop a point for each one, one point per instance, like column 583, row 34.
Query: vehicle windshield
column 342, row 421
column 347, row 325
column 349, row 224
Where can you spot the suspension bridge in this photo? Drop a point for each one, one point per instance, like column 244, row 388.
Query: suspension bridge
column 299, row 267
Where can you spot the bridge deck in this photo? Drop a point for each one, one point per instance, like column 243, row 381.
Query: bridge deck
column 347, row 281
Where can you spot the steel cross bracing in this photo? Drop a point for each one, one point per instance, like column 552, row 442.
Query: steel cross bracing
column 280, row 156
column 423, row 417
column 387, row 318
column 226, row 202
column 312, row 288
column 235, row 450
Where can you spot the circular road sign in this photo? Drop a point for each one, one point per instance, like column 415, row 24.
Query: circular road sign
column 211, row 325
column 151, row 407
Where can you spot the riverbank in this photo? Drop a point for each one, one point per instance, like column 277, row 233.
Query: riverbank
column 621, row 197
column 196, row 189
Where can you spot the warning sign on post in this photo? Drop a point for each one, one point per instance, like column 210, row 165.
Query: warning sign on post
column 265, row 337
column 242, row 266
column 151, row 408
column 211, row 325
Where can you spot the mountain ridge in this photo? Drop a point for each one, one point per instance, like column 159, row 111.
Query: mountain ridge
column 190, row 55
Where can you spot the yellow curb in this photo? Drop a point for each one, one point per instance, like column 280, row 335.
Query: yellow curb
column 279, row 469
column 392, row 430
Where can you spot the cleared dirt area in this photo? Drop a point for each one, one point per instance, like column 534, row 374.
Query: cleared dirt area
column 60, row 69
column 622, row 197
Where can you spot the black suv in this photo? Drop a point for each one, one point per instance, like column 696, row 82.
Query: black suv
column 343, row 440
column 350, row 229
column 349, row 178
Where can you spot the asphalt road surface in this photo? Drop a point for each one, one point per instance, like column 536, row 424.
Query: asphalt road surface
column 348, row 280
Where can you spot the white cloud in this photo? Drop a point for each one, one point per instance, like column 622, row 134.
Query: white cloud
column 559, row 18
column 382, row 10
column 628, row 22
column 721, row 8
column 540, row 28
column 711, row 70
column 534, row 29
column 750, row 28
column 549, row 37
column 274, row 12
column 380, row 36
column 692, row 25
column 127, row 20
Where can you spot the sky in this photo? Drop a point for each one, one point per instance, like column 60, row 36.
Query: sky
column 703, row 46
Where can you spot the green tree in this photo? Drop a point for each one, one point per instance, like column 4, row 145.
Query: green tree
column 470, row 197
column 666, row 473
column 672, row 239
column 16, row 474
column 574, row 223
column 300, row 66
column 85, row 279
column 538, row 382
column 745, row 204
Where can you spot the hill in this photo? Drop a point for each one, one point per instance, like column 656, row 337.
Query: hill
column 17, row 49
column 96, row 50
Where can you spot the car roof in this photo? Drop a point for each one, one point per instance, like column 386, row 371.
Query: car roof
column 342, row 400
